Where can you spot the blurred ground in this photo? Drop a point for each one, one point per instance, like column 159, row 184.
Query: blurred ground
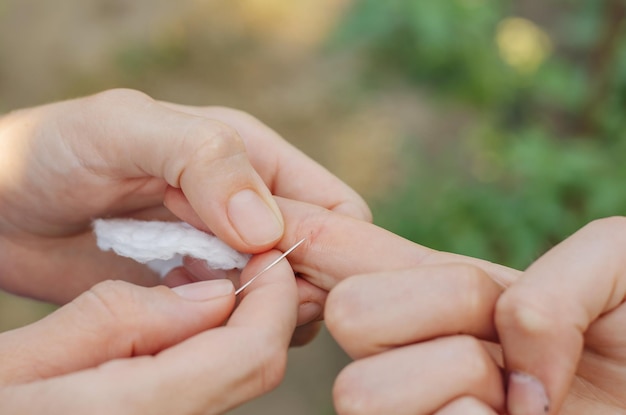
column 263, row 56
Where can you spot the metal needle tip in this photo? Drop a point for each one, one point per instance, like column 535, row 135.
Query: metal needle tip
column 276, row 261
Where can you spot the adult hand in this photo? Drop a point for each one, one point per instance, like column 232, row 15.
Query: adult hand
column 426, row 341
column 407, row 294
column 561, row 327
column 124, row 349
column 419, row 340
column 119, row 153
column 337, row 247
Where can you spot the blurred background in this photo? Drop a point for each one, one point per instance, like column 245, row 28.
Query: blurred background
column 485, row 127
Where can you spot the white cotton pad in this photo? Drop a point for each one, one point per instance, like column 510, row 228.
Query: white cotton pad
column 161, row 245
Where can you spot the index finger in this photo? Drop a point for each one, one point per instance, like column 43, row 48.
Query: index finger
column 287, row 171
column 338, row 246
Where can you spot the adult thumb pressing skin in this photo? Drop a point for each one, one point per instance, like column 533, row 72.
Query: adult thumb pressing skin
column 138, row 143
column 204, row 157
column 113, row 320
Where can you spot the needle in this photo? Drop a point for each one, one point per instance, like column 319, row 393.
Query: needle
column 276, row 261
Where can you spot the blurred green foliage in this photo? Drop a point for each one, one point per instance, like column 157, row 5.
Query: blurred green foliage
column 544, row 154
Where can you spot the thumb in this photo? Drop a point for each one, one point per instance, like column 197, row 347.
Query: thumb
column 114, row 319
column 137, row 137
column 542, row 318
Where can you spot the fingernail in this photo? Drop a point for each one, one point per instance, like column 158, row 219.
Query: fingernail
column 253, row 219
column 526, row 395
column 307, row 312
column 205, row 290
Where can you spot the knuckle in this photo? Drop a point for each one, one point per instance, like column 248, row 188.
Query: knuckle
column 523, row 314
column 470, row 275
column 205, row 145
column 214, row 140
column 111, row 302
column 471, row 282
column 474, row 360
column 341, row 313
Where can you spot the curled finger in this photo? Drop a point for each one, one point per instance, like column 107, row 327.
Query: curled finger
column 419, row 379
column 371, row 313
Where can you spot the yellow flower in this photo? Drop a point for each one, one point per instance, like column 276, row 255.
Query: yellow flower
column 522, row 44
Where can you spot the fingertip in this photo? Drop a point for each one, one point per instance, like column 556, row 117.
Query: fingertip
column 342, row 318
column 257, row 220
column 526, row 395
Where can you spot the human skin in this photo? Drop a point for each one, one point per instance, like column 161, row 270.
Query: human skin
column 449, row 339
column 428, row 329
column 561, row 326
column 124, row 349
column 437, row 333
column 120, row 153
column 559, row 333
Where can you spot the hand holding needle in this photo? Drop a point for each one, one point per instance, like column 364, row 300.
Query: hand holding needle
column 268, row 267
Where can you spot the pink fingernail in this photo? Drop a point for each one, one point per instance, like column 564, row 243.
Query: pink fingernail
column 526, row 395
column 256, row 222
